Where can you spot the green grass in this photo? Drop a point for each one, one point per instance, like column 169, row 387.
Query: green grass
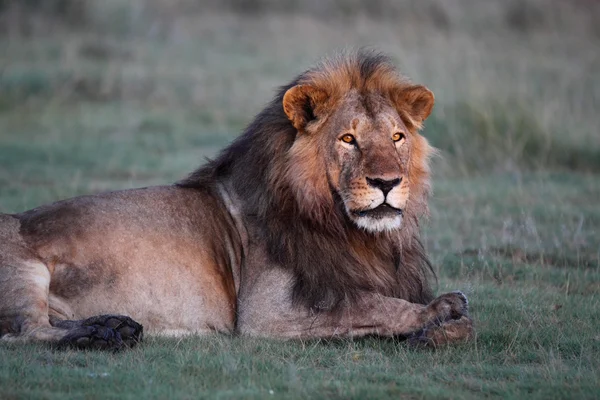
column 515, row 218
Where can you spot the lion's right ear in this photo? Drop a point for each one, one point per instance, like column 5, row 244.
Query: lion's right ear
column 301, row 103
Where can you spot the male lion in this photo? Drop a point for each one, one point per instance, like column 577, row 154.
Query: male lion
column 306, row 226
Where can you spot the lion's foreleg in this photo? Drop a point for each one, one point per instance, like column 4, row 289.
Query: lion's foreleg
column 385, row 316
column 267, row 311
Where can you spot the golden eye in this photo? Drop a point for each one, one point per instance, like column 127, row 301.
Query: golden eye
column 398, row 136
column 348, row 138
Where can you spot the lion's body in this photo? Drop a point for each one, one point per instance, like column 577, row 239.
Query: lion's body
column 290, row 232
column 163, row 254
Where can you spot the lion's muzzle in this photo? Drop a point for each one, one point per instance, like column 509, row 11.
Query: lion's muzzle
column 376, row 204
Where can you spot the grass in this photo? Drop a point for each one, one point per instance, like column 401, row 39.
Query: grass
column 515, row 221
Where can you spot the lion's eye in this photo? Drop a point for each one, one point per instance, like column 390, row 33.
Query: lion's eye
column 348, row 138
column 398, row 136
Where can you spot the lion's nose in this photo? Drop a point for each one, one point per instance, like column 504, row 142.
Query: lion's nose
column 385, row 185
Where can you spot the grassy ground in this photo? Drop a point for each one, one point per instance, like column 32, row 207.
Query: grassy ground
column 515, row 217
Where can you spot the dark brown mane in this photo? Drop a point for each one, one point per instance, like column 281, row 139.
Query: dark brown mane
column 331, row 258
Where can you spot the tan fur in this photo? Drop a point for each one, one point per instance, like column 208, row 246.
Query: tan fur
column 291, row 232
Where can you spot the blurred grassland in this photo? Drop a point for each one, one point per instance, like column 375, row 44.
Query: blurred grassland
column 518, row 81
column 105, row 95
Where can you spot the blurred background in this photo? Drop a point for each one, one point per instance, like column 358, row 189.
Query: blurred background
column 107, row 94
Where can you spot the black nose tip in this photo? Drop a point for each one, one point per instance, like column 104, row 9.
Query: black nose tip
column 385, row 185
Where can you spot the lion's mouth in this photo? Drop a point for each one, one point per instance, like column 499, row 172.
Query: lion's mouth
column 382, row 211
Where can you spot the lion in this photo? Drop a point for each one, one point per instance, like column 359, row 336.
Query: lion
column 306, row 226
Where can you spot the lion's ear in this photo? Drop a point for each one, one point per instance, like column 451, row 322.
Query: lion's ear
column 414, row 105
column 301, row 102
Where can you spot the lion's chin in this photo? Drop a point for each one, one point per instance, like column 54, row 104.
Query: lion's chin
column 376, row 225
column 383, row 218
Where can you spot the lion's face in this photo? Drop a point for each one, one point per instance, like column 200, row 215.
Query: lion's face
column 367, row 161
column 363, row 146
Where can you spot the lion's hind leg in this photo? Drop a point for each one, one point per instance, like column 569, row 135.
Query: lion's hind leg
column 24, row 312
column 24, row 285
column 24, row 300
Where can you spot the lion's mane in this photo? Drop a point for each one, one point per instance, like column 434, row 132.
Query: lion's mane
column 304, row 226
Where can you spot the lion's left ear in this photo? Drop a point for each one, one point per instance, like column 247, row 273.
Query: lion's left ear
column 414, row 104
column 301, row 103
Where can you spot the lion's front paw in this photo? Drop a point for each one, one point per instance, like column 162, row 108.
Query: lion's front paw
column 453, row 331
column 447, row 307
